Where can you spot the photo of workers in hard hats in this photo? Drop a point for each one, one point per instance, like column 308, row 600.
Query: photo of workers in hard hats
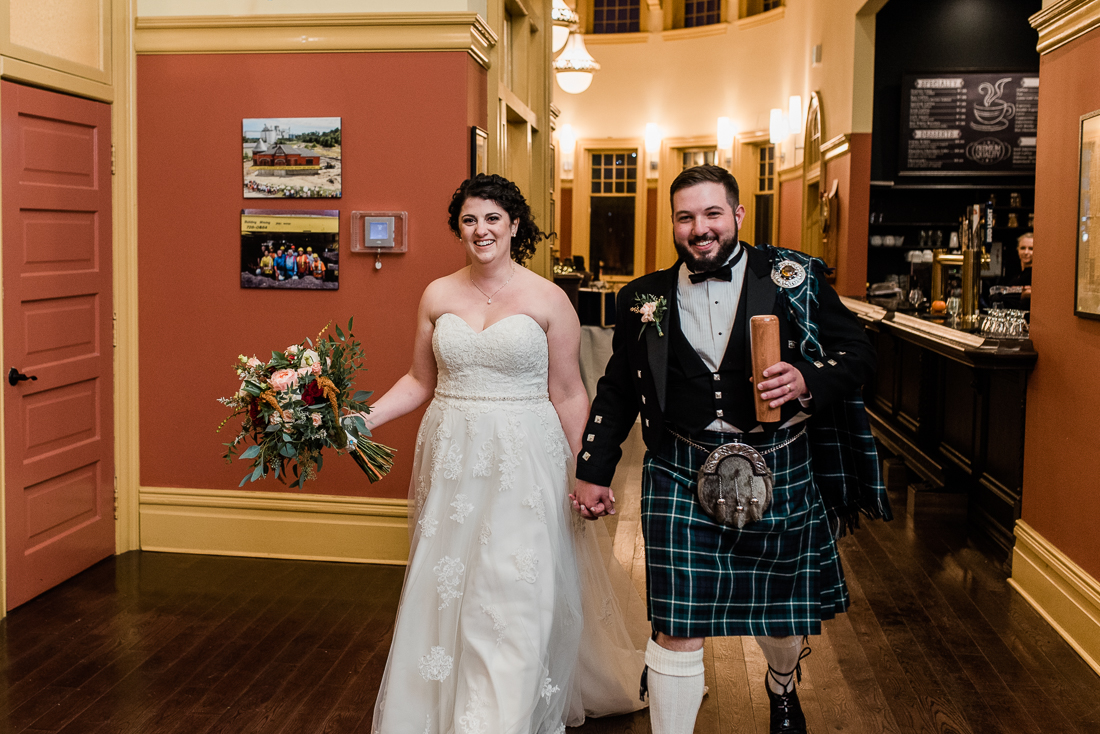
column 290, row 249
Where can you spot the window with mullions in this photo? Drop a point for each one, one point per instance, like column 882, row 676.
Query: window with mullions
column 764, row 197
column 611, row 223
column 765, row 169
column 754, row 7
column 616, row 16
column 696, row 157
column 702, row 12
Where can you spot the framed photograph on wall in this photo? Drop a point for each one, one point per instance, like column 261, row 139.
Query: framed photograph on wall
column 297, row 249
column 1087, row 295
column 479, row 151
column 291, row 157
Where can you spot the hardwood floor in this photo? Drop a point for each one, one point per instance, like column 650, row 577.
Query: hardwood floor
column 935, row 641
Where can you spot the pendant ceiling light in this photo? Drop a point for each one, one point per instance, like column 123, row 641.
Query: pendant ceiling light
column 565, row 21
column 575, row 65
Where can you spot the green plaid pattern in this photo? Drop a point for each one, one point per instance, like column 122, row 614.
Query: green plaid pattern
column 778, row 576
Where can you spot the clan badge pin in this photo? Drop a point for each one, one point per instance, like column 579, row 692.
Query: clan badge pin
column 788, row 274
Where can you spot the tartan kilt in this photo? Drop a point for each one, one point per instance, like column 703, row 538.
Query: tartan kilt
column 778, row 576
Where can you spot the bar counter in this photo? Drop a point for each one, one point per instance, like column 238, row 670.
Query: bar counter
column 952, row 405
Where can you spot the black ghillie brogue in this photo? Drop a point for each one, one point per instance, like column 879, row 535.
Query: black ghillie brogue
column 787, row 717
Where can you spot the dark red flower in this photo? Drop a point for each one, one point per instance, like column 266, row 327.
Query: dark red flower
column 253, row 411
column 312, row 394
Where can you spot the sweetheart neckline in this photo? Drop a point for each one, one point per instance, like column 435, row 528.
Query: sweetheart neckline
column 474, row 331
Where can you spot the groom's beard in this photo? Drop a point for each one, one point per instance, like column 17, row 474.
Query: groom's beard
column 717, row 259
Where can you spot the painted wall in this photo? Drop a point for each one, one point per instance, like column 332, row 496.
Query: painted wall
column 1062, row 455
column 147, row 8
column 405, row 149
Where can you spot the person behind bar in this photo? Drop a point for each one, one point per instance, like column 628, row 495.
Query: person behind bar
column 681, row 357
column 1025, row 248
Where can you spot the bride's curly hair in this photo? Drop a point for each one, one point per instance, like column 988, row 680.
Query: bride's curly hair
column 507, row 195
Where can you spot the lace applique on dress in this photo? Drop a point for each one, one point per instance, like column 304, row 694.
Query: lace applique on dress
column 607, row 612
column 448, row 573
column 527, row 565
column 421, row 493
column 428, row 526
column 462, row 508
column 452, row 464
column 548, row 690
column 485, row 534
column 512, row 442
column 436, row 665
column 499, row 625
column 440, row 434
column 484, row 465
column 474, row 720
column 428, row 725
column 535, row 502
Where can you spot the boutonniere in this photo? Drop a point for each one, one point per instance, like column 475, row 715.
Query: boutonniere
column 652, row 310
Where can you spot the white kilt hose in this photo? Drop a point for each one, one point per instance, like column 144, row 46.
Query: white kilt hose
column 776, row 577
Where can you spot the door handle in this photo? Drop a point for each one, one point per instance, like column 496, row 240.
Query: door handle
column 15, row 377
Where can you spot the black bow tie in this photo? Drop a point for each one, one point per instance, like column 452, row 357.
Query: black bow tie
column 723, row 273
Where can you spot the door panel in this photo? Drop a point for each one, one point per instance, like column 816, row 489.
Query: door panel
column 59, row 439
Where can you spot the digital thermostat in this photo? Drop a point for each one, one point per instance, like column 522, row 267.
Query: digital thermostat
column 378, row 232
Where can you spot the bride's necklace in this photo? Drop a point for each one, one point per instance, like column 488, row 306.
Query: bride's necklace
column 489, row 296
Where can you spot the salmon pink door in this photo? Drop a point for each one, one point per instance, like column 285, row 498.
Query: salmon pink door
column 57, row 338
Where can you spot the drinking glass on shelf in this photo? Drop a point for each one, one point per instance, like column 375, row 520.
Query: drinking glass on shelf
column 916, row 298
column 954, row 303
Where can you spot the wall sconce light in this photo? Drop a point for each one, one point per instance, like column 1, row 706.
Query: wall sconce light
column 567, row 141
column 725, row 134
column 777, row 127
column 652, row 146
column 565, row 21
column 575, row 66
column 794, row 114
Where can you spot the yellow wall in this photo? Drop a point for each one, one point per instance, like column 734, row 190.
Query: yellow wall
column 148, row 8
column 684, row 80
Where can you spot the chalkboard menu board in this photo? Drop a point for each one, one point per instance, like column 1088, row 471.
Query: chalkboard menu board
column 968, row 123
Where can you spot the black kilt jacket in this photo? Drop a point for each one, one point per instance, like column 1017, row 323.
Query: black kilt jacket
column 636, row 378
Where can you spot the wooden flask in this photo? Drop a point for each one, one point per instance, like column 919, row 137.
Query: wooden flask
column 764, row 335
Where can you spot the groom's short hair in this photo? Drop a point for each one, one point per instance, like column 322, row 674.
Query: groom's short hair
column 708, row 174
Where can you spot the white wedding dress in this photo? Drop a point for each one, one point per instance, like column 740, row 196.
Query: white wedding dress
column 498, row 632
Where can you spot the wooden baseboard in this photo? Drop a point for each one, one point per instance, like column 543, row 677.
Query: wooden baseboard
column 274, row 525
column 1060, row 590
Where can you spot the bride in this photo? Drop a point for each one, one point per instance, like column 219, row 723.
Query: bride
column 508, row 621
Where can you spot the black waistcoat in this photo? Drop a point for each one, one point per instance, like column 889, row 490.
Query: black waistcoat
column 696, row 396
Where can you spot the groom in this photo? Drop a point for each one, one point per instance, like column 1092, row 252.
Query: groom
column 681, row 357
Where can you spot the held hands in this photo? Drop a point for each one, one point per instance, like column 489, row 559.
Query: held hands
column 784, row 383
column 591, row 501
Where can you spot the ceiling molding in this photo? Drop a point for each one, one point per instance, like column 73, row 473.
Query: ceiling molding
column 336, row 32
column 1065, row 21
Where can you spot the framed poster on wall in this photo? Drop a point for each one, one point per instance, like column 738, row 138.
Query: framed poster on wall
column 968, row 123
column 297, row 249
column 479, row 151
column 291, row 157
column 1087, row 293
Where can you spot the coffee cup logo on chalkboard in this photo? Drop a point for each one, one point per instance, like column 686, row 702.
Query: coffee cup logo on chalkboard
column 995, row 113
column 988, row 151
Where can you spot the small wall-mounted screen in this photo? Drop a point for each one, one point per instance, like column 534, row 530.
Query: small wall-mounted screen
column 379, row 230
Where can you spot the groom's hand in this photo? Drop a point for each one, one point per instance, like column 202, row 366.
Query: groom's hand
column 591, row 501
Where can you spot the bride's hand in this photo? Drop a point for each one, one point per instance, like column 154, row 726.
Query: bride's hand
column 591, row 501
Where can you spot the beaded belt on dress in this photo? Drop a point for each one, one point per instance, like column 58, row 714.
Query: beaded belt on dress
column 535, row 398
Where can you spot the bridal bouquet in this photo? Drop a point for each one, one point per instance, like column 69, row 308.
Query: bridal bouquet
column 292, row 411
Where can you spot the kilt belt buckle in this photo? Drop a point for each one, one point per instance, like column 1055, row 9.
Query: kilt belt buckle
column 734, row 486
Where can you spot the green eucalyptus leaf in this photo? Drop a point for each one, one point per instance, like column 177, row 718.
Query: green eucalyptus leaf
column 339, row 333
column 251, row 452
column 362, row 396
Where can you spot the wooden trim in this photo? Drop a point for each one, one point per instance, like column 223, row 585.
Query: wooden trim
column 611, row 39
column 791, row 173
column 362, row 32
column 836, row 147
column 699, row 31
column 769, row 16
column 1065, row 21
column 274, row 525
column 18, row 70
column 125, row 285
column 33, row 57
column 516, row 105
column 1060, row 591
